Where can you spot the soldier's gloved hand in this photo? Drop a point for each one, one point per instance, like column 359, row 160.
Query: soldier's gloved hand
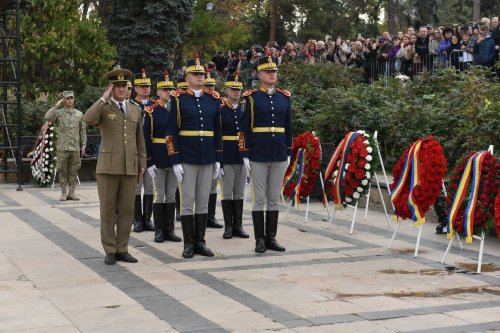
column 152, row 171
column 246, row 162
column 288, row 161
column 215, row 174
column 178, row 171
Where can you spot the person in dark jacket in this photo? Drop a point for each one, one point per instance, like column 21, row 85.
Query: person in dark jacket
column 422, row 47
column 484, row 49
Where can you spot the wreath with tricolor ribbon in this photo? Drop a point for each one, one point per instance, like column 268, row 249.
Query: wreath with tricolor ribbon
column 417, row 179
column 347, row 176
column 303, row 170
column 43, row 156
column 473, row 187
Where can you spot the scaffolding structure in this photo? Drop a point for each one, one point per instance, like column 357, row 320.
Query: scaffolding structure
column 10, row 90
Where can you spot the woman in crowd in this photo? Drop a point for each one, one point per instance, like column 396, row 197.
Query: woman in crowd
column 405, row 55
column 466, row 59
column 454, row 56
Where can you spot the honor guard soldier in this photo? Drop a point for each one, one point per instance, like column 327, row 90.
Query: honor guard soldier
column 158, row 163
column 181, row 83
column 142, row 218
column 233, row 174
column 120, row 165
column 194, row 146
column 209, row 87
column 267, row 123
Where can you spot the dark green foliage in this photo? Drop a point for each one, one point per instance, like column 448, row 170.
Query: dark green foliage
column 147, row 33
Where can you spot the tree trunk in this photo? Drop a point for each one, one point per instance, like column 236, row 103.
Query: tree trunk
column 85, row 10
column 391, row 16
column 476, row 16
column 274, row 20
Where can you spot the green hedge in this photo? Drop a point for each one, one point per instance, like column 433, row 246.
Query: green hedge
column 461, row 109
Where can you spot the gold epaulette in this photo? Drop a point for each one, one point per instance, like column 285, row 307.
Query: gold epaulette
column 177, row 93
column 224, row 102
column 284, row 92
column 249, row 92
column 215, row 94
column 150, row 109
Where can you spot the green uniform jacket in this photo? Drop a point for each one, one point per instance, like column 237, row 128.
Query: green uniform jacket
column 122, row 150
column 72, row 132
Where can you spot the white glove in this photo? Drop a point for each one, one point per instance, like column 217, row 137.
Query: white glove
column 152, row 171
column 215, row 174
column 288, row 161
column 178, row 171
column 246, row 162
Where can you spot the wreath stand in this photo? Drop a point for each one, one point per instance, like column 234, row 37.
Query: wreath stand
column 479, row 238
column 307, row 202
column 368, row 195
column 54, row 180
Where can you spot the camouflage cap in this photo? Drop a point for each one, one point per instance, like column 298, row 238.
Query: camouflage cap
column 68, row 93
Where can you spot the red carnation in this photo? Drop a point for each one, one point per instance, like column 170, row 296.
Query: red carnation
column 360, row 174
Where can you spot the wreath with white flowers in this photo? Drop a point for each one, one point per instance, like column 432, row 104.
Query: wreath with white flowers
column 348, row 175
column 43, row 156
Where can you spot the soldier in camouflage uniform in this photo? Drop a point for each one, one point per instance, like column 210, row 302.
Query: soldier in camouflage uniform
column 71, row 141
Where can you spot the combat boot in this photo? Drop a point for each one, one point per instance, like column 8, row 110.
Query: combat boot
column 147, row 211
column 158, row 217
column 187, row 222
column 71, row 194
column 64, row 193
column 137, row 214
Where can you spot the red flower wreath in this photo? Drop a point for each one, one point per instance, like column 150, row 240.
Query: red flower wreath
column 431, row 171
column 312, row 152
column 497, row 213
column 356, row 175
column 488, row 188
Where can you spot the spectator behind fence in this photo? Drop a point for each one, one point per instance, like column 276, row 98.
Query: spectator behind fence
column 396, row 46
column 484, row 49
column 422, row 47
column 340, row 51
column 495, row 33
column 454, row 56
column 466, row 57
column 405, row 55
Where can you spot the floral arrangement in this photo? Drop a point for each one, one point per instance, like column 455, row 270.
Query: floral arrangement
column 348, row 176
column 497, row 213
column 43, row 156
column 418, row 177
column 303, row 170
column 471, row 208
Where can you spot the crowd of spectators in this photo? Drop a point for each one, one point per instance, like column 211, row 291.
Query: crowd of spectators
column 405, row 53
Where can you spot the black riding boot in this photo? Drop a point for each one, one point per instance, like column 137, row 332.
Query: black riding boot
column 169, row 224
column 228, row 212
column 212, row 221
column 187, row 222
column 147, row 209
column 200, row 226
column 271, row 229
column 258, row 229
column 159, row 217
column 238, row 219
column 137, row 214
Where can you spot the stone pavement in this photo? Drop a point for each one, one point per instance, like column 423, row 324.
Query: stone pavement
column 53, row 278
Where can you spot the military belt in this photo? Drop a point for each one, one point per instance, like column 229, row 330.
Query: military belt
column 230, row 138
column 159, row 140
column 196, row 133
column 268, row 130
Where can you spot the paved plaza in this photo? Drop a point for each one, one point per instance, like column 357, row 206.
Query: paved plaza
column 53, row 278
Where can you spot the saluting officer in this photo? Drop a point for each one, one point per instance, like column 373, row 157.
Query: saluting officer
column 233, row 174
column 142, row 218
column 121, row 162
column 159, row 166
column 267, row 123
column 209, row 87
column 194, row 146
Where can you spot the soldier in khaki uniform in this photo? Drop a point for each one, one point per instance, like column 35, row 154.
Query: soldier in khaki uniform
column 72, row 138
column 121, row 163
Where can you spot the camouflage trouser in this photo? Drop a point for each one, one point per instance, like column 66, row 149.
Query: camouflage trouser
column 68, row 164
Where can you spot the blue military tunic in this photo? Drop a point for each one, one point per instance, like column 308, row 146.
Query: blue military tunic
column 194, row 128
column 232, row 133
column 155, row 126
column 267, row 125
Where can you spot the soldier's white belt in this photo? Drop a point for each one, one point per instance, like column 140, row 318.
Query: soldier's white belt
column 196, row 133
column 268, row 130
column 159, row 140
column 230, row 138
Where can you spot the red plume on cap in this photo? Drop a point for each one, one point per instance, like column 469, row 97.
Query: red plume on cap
column 143, row 72
column 166, row 74
column 197, row 59
column 268, row 53
column 236, row 72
